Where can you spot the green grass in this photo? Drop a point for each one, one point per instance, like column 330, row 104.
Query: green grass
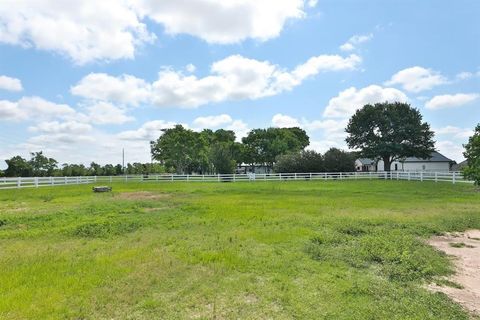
column 264, row 250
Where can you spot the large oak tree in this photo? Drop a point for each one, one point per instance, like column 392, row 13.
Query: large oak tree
column 390, row 132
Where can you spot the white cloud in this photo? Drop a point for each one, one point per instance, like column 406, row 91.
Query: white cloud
column 451, row 150
column 10, row 84
column 33, row 108
column 107, row 113
column 351, row 99
column 232, row 78
column 455, row 132
column 150, row 130
column 417, row 79
column 323, row 145
column 464, row 75
column 240, row 128
column 82, row 30
column 9, row 111
column 190, row 68
column 124, row 89
column 356, row 40
column 224, row 22
column 67, row 127
column 284, row 121
column 91, row 30
column 451, row 100
column 212, row 121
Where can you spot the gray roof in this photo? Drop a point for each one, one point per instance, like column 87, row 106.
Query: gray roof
column 435, row 157
column 366, row 161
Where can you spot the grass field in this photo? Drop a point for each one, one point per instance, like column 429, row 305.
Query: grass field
column 278, row 250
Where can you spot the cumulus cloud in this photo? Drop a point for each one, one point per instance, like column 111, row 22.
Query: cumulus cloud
column 56, row 127
column 224, row 21
column 212, row 121
column 33, row 108
column 82, row 30
column 351, row 99
column 355, row 40
column 149, row 131
column 107, row 113
column 451, row 100
column 417, row 79
column 107, row 30
column 455, row 132
column 124, row 89
column 451, row 149
column 284, row 121
column 232, row 78
column 10, row 84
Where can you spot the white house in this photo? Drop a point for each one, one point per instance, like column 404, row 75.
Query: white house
column 437, row 162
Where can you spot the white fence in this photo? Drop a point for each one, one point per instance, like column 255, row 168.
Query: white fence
column 452, row 177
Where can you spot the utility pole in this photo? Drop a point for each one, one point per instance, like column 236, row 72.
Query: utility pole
column 123, row 160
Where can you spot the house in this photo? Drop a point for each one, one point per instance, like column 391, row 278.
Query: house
column 459, row 166
column 437, row 162
column 365, row 165
column 248, row 168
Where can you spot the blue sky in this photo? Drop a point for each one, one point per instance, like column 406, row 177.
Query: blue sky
column 82, row 81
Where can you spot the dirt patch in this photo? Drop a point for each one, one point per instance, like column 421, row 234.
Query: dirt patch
column 141, row 195
column 465, row 249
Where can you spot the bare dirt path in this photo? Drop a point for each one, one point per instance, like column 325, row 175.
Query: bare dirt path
column 465, row 248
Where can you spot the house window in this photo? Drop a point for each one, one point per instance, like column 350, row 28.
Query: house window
column 396, row 166
column 423, row 167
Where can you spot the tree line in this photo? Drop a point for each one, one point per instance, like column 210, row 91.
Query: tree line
column 41, row 166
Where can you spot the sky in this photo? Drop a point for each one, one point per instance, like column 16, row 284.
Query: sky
column 82, row 80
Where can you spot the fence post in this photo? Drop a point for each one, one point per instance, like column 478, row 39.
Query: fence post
column 218, row 177
column 385, row 175
column 310, row 176
column 436, row 176
column 398, row 175
column 110, row 179
column 36, row 182
column 421, row 176
column 171, row 179
column 453, row 177
column 408, row 175
column 188, row 178
column 279, row 176
column 295, row 176
column 234, row 180
column 370, row 175
column 95, row 178
column 78, row 180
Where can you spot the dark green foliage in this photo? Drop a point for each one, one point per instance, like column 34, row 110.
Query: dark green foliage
column 18, row 167
column 336, row 160
column 304, row 161
column 389, row 131
column 472, row 154
column 264, row 146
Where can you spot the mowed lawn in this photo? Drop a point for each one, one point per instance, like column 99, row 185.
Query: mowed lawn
column 263, row 250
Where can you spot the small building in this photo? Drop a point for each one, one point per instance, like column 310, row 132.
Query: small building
column 437, row 162
column 365, row 165
column 459, row 166
column 248, row 168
